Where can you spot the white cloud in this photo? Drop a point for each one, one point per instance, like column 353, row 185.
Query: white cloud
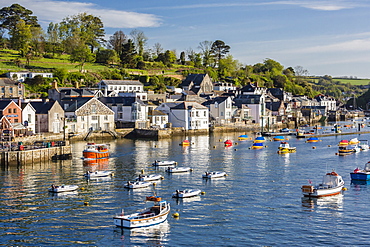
column 54, row 11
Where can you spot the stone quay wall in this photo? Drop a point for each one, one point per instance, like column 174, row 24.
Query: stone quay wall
column 33, row 155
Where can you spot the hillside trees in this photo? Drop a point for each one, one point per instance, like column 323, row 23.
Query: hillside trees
column 128, row 54
column 21, row 37
column 219, row 49
column 116, row 41
column 139, row 39
column 10, row 16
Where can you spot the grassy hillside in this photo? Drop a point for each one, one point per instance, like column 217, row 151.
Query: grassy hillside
column 356, row 82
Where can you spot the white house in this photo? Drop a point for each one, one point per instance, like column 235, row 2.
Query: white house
column 127, row 110
column 22, row 75
column 126, row 88
column 86, row 115
column 220, row 108
column 29, row 117
column 190, row 116
column 158, row 119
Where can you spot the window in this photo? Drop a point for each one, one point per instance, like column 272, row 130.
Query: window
column 11, row 90
column 106, row 117
column 120, row 115
column 82, row 119
column 66, row 106
column 3, row 90
column 16, row 120
column 93, row 108
column 29, row 118
column 119, row 108
column 9, row 110
column 120, row 88
column 197, row 113
column 130, row 88
column 94, row 118
column 205, row 113
column 15, row 110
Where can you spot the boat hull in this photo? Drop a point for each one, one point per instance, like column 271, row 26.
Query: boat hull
column 95, row 155
column 63, row 188
column 186, row 194
column 125, row 222
column 324, row 192
column 360, row 176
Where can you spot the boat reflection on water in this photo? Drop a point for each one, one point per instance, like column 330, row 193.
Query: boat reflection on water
column 185, row 200
column 332, row 202
column 66, row 194
column 154, row 235
column 360, row 182
column 96, row 164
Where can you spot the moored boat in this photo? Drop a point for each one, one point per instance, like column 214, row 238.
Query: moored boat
column 279, row 138
column 62, row 188
column 185, row 143
column 137, row 184
column 149, row 216
column 286, row 148
column 312, row 139
column 257, row 145
column 95, row 151
column 363, row 145
column 343, row 143
column 98, row 174
column 214, row 174
column 359, row 174
column 178, row 169
column 332, row 184
column 164, row 163
column 344, row 150
column 150, row 177
column 259, row 139
column 353, row 141
column 228, row 143
column 243, row 137
column 186, row 193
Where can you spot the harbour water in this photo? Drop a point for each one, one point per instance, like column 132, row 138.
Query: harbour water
column 259, row 203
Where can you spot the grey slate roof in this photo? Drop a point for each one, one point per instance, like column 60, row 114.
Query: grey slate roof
column 7, row 82
column 125, row 101
column 42, row 107
column 186, row 105
column 195, row 78
column 219, row 100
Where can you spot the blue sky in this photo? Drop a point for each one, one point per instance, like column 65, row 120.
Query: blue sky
column 325, row 37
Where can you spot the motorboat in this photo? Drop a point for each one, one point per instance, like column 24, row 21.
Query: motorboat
column 285, row 130
column 259, row 139
column 332, row 184
column 228, row 143
column 257, row 145
column 359, row 174
column 284, row 147
column 363, row 145
column 243, row 137
column 312, row 139
column 137, row 184
column 62, row 188
column 214, row 174
column 186, row 193
column 279, row 138
column 150, row 177
column 164, row 163
column 153, row 215
column 343, row 143
column 353, row 141
column 344, row 150
column 95, row 151
column 178, row 169
column 185, row 143
column 98, row 174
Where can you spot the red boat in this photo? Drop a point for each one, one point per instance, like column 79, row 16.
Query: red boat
column 228, row 143
column 96, row 151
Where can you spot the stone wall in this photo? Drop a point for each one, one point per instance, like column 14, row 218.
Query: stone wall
column 32, row 156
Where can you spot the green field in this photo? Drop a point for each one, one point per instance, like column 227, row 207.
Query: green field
column 356, row 82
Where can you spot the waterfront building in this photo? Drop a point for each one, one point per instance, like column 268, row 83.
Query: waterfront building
column 29, row 117
column 158, row 119
column 329, row 102
column 125, row 88
column 49, row 116
column 66, row 94
column 198, row 84
column 220, row 108
column 190, row 116
column 10, row 119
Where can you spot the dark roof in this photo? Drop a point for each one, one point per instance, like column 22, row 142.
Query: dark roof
column 196, row 79
column 273, row 106
column 248, row 88
column 75, row 92
column 219, row 100
column 76, row 103
column 186, row 105
column 42, row 107
column 125, row 101
column 8, row 82
column 4, row 103
column 247, row 99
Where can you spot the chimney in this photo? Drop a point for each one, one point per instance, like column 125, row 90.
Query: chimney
column 77, row 85
column 54, row 85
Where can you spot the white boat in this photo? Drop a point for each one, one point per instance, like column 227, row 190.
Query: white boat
column 332, row 184
column 164, row 163
column 353, row 141
column 62, row 188
column 149, row 216
column 150, row 177
column 214, row 174
column 137, row 185
column 178, row 169
column 364, row 145
column 98, row 174
column 186, row 193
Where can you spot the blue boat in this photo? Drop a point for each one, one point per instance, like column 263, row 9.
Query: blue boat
column 257, row 145
column 362, row 175
column 259, row 139
column 313, row 139
column 243, row 137
column 279, row 138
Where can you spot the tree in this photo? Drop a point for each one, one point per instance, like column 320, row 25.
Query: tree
column 86, row 28
column 10, row 16
column 139, row 39
column 128, row 55
column 205, row 47
column 219, row 49
column 116, row 41
column 182, row 58
column 53, row 38
column 107, row 56
column 21, row 37
column 82, row 55
column 37, row 40
column 158, row 49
